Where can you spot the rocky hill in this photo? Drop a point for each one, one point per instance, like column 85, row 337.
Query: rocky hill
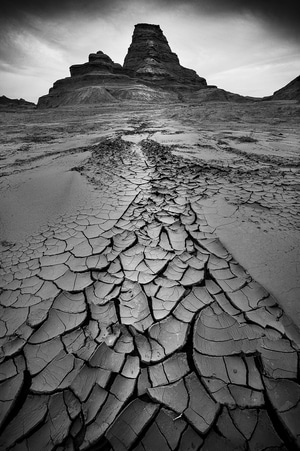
column 151, row 72
column 289, row 92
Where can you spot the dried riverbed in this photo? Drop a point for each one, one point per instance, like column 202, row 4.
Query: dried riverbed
column 150, row 268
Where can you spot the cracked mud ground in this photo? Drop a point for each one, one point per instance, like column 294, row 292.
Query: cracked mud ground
column 129, row 326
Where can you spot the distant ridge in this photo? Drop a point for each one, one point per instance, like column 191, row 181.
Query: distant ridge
column 7, row 102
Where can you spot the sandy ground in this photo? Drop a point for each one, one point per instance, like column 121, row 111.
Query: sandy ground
column 260, row 141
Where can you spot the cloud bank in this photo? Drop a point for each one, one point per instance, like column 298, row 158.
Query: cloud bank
column 283, row 16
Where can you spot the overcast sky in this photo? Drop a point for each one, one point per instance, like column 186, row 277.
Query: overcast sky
column 251, row 47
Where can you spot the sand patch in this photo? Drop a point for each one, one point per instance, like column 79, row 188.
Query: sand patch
column 270, row 256
column 33, row 200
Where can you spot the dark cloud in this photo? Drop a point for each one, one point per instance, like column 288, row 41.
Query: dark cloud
column 285, row 15
column 21, row 14
column 18, row 10
column 22, row 18
column 13, row 8
column 282, row 16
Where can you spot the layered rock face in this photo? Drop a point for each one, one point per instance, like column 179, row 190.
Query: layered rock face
column 150, row 58
column 95, row 82
column 151, row 72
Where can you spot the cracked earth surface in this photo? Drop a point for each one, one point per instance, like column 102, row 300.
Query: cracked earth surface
column 129, row 326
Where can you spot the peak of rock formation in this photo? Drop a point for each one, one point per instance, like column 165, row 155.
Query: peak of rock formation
column 150, row 58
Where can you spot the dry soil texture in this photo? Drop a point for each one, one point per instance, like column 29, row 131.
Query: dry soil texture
column 149, row 271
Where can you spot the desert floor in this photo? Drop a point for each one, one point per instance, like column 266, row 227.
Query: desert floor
column 150, row 279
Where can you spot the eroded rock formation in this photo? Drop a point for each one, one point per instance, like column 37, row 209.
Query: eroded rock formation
column 151, row 72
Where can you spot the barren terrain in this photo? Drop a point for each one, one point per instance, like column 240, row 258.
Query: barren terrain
column 150, row 259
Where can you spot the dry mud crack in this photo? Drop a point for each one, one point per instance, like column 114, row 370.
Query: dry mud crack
column 129, row 326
